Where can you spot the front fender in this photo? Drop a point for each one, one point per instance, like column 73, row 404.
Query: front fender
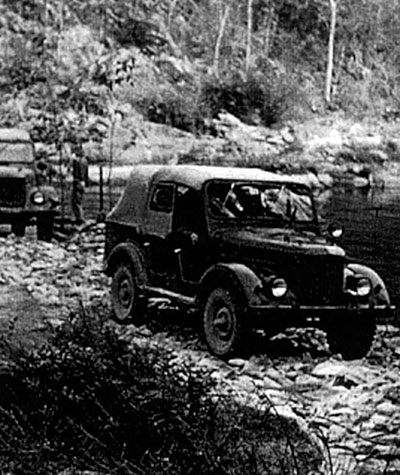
column 127, row 252
column 379, row 295
column 238, row 277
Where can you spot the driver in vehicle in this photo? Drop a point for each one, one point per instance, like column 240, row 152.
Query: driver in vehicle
column 251, row 201
column 272, row 204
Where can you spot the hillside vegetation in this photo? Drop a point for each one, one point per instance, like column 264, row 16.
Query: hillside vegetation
column 70, row 70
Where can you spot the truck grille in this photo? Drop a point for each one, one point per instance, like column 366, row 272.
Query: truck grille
column 12, row 192
column 319, row 281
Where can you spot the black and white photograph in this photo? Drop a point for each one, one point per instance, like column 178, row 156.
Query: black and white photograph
column 199, row 237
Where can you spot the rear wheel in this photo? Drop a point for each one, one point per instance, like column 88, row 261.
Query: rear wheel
column 352, row 338
column 223, row 323
column 127, row 303
column 18, row 229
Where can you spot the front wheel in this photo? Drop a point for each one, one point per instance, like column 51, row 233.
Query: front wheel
column 45, row 228
column 353, row 337
column 223, row 323
column 127, row 303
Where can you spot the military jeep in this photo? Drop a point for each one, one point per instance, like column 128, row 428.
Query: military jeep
column 243, row 247
column 25, row 194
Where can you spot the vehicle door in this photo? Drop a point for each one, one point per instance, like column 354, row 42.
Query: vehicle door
column 158, row 228
column 188, row 237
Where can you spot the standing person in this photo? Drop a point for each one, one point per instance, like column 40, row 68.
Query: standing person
column 80, row 179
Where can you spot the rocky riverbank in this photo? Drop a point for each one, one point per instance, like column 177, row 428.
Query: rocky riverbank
column 336, row 148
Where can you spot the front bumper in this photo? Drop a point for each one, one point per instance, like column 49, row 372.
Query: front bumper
column 311, row 315
column 23, row 214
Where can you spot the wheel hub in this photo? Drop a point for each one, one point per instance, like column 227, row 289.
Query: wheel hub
column 125, row 293
column 222, row 322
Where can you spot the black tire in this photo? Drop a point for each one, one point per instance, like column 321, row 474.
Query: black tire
column 352, row 338
column 18, row 229
column 45, row 229
column 128, row 305
column 223, row 323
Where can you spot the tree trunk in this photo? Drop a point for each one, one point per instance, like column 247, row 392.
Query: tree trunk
column 219, row 38
column 269, row 30
column 331, row 46
column 249, row 31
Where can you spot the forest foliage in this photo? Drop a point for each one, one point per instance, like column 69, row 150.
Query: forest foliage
column 68, row 67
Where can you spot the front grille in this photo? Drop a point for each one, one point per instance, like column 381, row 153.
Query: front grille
column 12, row 192
column 318, row 280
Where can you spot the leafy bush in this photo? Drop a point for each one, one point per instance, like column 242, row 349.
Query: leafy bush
column 178, row 109
column 84, row 402
column 162, row 101
column 259, row 97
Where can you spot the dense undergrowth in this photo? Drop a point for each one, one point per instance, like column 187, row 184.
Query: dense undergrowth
column 82, row 401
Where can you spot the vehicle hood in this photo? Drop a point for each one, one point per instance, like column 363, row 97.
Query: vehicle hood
column 277, row 239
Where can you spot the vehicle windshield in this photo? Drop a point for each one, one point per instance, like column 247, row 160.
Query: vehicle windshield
column 16, row 152
column 260, row 201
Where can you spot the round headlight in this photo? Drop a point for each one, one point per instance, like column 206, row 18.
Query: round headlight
column 335, row 230
column 38, row 198
column 278, row 288
column 363, row 287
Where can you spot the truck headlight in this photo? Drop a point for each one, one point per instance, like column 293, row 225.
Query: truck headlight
column 359, row 286
column 335, row 230
column 278, row 287
column 37, row 198
column 363, row 287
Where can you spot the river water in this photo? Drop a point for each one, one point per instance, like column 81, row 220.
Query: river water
column 371, row 221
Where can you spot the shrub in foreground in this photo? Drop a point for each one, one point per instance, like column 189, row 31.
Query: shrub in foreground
column 84, row 402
